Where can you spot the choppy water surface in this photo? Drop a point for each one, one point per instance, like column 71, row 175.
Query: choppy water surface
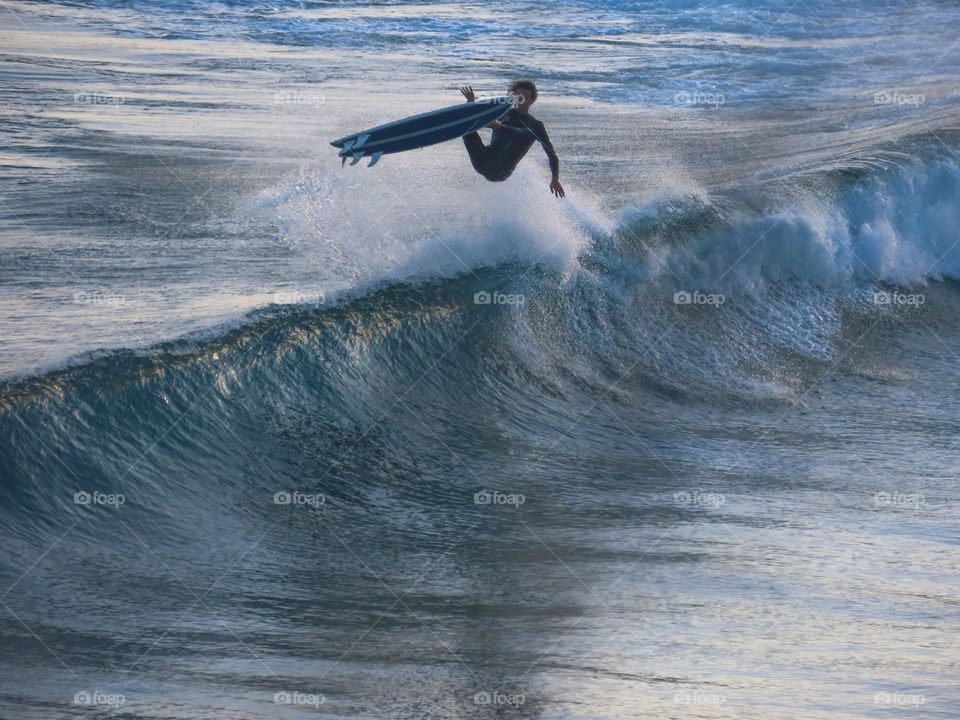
column 280, row 439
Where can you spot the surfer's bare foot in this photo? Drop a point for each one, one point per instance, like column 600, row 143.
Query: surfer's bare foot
column 467, row 92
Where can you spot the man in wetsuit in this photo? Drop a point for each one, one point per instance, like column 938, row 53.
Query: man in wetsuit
column 513, row 136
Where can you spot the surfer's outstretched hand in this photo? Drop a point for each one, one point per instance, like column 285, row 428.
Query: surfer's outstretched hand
column 467, row 92
column 556, row 188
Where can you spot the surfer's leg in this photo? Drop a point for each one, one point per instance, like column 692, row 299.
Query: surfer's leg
column 479, row 157
column 494, row 171
column 483, row 160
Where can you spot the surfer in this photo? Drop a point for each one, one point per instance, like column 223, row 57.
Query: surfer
column 513, row 136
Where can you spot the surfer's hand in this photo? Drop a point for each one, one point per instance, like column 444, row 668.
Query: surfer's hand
column 495, row 125
column 467, row 92
column 556, row 188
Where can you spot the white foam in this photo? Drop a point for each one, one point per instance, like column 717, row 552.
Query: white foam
column 899, row 227
column 416, row 216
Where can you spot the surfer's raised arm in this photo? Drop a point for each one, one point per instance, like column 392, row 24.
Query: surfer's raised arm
column 555, row 187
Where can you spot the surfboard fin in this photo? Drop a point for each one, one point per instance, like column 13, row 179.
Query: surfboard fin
column 357, row 157
column 375, row 158
column 350, row 146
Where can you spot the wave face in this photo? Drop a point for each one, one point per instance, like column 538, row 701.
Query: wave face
column 424, row 461
column 688, row 303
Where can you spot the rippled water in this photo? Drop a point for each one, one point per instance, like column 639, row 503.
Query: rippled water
column 266, row 451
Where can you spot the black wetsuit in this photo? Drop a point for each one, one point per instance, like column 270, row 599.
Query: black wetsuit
column 508, row 145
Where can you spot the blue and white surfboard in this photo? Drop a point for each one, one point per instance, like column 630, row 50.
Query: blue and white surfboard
column 421, row 130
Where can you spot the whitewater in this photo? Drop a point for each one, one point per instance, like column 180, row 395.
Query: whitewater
column 281, row 438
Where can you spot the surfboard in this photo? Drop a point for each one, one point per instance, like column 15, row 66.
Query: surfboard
column 417, row 131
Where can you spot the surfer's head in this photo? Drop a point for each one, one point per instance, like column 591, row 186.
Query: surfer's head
column 525, row 92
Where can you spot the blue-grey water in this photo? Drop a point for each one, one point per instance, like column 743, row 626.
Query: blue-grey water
column 281, row 439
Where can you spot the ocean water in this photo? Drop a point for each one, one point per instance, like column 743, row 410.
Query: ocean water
column 281, row 439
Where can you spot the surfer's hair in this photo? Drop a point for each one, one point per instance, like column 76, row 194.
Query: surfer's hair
column 524, row 85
